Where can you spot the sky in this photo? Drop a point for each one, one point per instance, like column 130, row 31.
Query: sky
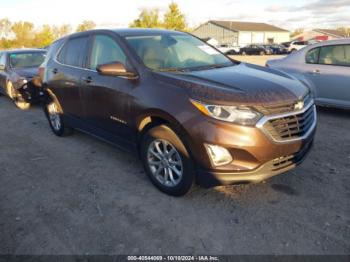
column 288, row 14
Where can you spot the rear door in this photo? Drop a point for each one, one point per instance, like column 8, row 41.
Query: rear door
column 65, row 74
column 328, row 67
column 106, row 98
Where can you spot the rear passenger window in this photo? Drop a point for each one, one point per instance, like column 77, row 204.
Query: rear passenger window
column 105, row 50
column 335, row 55
column 73, row 52
column 312, row 56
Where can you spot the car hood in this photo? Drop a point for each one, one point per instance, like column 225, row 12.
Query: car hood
column 27, row 72
column 239, row 84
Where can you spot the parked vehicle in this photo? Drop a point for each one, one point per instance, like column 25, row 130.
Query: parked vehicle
column 325, row 66
column 268, row 49
column 228, row 49
column 191, row 113
column 278, row 49
column 19, row 75
column 254, row 50
column 296, row 45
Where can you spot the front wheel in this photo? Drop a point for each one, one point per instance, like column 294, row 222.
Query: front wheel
column 16, row 96
column 166, row 161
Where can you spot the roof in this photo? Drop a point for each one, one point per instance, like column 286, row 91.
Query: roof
column 247, row 26
column 23, row 50
column 332, row 32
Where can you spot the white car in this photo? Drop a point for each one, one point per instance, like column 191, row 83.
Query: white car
column 296, row 45
column 228, row 49
column 324, row 67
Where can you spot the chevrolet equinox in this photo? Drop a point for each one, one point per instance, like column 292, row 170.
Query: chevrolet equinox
column 191, row 113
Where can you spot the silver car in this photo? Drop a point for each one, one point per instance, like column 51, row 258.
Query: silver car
column 324, row 67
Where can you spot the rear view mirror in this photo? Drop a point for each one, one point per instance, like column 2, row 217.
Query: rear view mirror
column 115, row 69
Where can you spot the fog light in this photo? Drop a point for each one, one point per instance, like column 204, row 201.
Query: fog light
column 218, row 155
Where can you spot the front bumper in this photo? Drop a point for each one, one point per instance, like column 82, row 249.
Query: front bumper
column 271, row 168
column 257, row 155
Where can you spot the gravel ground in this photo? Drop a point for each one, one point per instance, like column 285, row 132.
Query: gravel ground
column 256, row 59
column 77, row 195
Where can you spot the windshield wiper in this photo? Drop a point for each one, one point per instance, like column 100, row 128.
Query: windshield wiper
column 171, row 69
column 207, row 67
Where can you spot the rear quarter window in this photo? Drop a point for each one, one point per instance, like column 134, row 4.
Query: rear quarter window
column 74, row 52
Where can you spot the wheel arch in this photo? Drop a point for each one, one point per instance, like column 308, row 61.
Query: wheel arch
column 152, row 118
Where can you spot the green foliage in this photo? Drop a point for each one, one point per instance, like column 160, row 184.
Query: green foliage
column 147, row 19
column 24, row 33
column 297, row 32
column 344, row 30
column 85, row 25
column 44, row 37
column 173, row 19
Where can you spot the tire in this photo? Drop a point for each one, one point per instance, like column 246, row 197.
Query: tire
column 172, row 173
column 244, row 53
column 262, row 53
column 16, row 97
column 293, row 50
column 58, row 127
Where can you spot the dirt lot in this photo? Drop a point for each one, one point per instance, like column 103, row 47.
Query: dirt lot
column 77, row 195
column 256, row 59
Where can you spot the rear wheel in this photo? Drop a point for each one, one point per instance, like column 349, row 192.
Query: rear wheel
column 16, row 96
column 262, row 53
column 166, row 161
column 55, row 119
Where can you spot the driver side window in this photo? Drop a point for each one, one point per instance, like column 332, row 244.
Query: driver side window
column 105, row 50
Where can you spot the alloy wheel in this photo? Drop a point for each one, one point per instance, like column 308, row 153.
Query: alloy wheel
column 54, row 116
column 165, row 162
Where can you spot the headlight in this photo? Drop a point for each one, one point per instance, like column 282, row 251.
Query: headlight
column 234, row 114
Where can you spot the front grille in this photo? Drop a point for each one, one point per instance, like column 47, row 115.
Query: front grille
column 291, row 126
column 285, row 161
column 281, row 108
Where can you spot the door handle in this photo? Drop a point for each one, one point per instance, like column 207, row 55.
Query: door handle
column 55, row 70
column 87, row 79
column 316, row 71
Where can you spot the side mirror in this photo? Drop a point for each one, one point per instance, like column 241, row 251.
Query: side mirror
column 116, row 69
column 2, row 67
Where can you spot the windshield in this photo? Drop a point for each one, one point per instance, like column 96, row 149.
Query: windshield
column 176, row 52
column 34, row 59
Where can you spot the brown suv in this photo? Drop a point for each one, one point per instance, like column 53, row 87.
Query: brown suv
column 193, row 114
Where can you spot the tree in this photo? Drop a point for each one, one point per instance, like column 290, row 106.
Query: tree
column 60, row 31
column 296, row 32
column 44, row 37
column 86, row 25
column 5, row 28
column 24, row 34
column 174, row 19
column 345, row 31
column 147, row 19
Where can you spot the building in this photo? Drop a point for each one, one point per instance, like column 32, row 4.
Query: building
column 241, row 33
column 319, row 35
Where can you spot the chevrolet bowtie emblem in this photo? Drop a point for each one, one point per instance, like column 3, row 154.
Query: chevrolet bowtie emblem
column 299, row 105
